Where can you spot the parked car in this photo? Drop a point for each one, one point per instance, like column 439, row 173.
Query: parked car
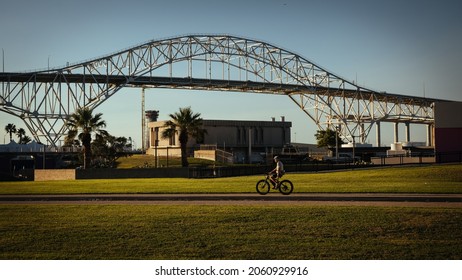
column 291, row 154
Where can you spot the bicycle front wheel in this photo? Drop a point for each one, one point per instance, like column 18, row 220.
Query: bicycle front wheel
column 286, row 187
column 263, row 187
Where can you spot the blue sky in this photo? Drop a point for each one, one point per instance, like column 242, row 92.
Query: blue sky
column 400, row 47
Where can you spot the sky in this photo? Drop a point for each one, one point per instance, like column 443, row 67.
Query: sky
column 405, row 47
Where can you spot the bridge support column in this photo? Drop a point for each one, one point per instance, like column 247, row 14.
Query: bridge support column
column 408, row 132
column 362, row 134
column 429, row 135
column 395, row 136
column 378, row 136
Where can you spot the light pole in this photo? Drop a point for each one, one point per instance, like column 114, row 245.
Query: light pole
column 336, row 142
column 3, row 70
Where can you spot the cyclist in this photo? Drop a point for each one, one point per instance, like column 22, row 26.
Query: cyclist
column 277, row 172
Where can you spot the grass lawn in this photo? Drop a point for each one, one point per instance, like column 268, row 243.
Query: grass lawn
column 144, row 161
column 228, row 232
column 237, row 232
column 418, row 179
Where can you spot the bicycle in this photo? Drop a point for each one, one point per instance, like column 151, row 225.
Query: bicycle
column 285, row 186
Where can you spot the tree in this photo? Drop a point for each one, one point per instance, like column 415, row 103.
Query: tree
column 107, row 149
column 10, row 128
column 83, row 124
column 187, row 124
column 25, row 140
column 326, row 138
column 21, row 133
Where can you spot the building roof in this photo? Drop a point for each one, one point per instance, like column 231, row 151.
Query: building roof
column 206, row 122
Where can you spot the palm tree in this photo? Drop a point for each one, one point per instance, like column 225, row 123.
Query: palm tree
column 10, row 128
column 188, row 124
column 82, row 124
column 25, row 139
column 21, row 133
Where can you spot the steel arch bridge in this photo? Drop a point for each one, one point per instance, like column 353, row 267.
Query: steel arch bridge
column 44, row 99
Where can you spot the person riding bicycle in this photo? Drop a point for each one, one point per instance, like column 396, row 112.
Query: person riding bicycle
column 277, row 172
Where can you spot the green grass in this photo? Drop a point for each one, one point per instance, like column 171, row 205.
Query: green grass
column 418, row 179
column 228, row 232
column 237, row 232
column 143, row 161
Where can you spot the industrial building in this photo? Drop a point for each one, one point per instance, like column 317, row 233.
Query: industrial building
column 244, row 141
column 448, row 131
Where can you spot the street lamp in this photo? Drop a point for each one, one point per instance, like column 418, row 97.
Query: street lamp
column 336, row 142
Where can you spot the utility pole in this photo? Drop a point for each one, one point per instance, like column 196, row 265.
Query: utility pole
column 3, row 70
column 143, row 122
column 336, row 142
column 250, row 145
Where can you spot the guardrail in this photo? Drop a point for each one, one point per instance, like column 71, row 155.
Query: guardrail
column 242, row 170
column 419, row 158
column 227, row 171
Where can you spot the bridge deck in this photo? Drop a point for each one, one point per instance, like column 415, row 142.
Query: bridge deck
column 213, row 84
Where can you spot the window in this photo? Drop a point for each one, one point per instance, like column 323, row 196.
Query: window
column 156, row 136
column 171, row 140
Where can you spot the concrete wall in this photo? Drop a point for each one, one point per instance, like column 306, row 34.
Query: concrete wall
column 205, row 154
column 231, row 133
column 104, row 173
column 54, row 174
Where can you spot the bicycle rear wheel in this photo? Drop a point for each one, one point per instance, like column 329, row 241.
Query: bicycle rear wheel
column 263, row 187
column 286, row 187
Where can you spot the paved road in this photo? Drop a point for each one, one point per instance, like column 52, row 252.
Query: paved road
column 359, row 199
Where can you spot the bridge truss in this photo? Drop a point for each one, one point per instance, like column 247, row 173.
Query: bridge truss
column 44, row 99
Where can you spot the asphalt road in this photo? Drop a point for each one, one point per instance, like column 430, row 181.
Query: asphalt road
column 354, row 199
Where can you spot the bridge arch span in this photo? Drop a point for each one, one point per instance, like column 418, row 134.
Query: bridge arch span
column 44, row 99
